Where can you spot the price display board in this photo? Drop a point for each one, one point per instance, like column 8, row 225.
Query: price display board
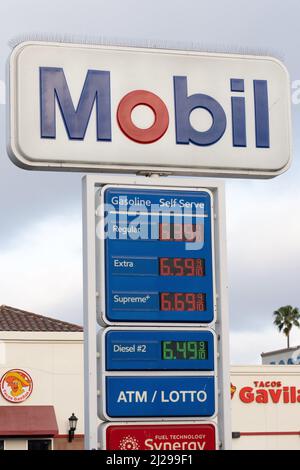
column 164, row 349
column 156, row 281
column 158, row 262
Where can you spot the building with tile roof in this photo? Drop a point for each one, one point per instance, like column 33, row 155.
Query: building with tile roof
column 41, row 381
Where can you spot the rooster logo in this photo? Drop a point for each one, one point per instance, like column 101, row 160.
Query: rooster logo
column 16, row 385
column 232, row 390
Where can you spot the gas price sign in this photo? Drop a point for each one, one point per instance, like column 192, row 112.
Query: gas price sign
column 146, row 392
column 148, row 349
column 157, row 252
column 158, row 354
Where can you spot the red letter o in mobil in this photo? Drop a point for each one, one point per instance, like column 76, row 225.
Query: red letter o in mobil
column 152, row 133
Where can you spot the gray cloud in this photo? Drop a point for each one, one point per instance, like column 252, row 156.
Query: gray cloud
column 264, row 258
column 26, row 196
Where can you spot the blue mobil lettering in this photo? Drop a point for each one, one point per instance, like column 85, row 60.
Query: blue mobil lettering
column 96, row 92
column 155, row 396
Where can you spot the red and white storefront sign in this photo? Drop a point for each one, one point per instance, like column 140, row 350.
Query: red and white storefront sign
column 265, row 403
column 268, row 391
column 161, row 437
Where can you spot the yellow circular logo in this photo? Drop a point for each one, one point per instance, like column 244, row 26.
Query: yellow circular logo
column 16, row 385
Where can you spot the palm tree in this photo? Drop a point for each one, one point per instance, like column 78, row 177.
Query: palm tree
column 285, row 318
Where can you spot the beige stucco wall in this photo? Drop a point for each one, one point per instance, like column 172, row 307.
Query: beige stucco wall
column 55, row 363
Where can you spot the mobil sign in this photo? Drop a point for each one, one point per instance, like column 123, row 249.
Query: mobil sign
column 91, row 108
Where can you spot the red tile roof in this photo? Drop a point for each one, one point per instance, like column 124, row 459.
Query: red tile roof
column 14, row 319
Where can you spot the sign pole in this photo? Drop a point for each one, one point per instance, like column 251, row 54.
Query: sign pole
column 222, row 323
column 90, row 323
column 91, row 297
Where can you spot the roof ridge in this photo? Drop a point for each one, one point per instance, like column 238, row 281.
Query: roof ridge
column 13, row 310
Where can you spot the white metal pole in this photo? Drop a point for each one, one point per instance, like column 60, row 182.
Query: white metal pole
column 90, row 323
column 222, row 324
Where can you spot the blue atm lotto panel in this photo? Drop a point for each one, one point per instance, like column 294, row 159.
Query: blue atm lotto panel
column 158, row 256
column 159, row 396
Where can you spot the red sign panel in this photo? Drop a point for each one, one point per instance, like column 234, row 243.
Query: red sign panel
column 161, row 437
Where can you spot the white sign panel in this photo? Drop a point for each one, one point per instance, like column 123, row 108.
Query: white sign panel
column 91, row 108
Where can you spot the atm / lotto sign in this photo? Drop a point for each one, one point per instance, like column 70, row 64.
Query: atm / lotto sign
column 80, row 107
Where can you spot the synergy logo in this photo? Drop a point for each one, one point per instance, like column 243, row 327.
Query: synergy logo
column 96, row 91
column 129, row 443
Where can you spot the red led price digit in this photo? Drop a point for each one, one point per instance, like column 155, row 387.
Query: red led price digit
column 179, row 301
column 189, row 265
column 164, row 267
column 190, row 301
column 179, row 271
column 165, row 301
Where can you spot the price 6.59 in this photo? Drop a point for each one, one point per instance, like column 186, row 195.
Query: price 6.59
column 182, row 301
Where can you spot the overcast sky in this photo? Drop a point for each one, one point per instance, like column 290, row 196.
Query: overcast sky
column 40, row 236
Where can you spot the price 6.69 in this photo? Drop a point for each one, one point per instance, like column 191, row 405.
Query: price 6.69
column 182, row 301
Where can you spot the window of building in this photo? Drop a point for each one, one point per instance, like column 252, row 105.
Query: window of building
column 1, row 444
column 39, row 444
